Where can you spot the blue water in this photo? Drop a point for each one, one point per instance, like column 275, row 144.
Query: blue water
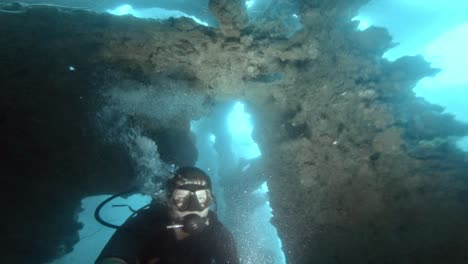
column 439, row 32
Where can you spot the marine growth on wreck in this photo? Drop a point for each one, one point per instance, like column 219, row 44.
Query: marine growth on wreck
column 289, row 104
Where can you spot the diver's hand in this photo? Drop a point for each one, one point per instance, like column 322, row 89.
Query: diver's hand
column 112, row 261
column 153, row 261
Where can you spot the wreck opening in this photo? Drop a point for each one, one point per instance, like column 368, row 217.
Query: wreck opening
column 354, row 166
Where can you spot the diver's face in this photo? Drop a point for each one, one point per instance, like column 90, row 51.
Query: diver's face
column 184, row 202
column 179, row 216
column 191, row 200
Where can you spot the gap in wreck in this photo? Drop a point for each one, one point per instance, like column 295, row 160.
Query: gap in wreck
column 93, row 236
column 153, row 13
column 284, row 14
column 226, row 149
column 438, row 32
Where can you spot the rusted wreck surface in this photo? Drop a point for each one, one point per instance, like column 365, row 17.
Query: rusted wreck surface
column 359, row 170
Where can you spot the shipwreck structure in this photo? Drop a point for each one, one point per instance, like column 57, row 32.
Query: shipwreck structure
column 359, row 169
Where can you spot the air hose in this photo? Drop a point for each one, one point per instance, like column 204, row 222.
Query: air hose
column 97, row 212
column 192, row 224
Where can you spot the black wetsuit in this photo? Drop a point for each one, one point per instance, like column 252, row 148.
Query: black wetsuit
column 145, row 237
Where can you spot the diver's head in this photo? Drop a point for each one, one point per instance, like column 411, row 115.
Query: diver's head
column 190, row 197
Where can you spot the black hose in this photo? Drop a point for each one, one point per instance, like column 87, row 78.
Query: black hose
column 97, row 212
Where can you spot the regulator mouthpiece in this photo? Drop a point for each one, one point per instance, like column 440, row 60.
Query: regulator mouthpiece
column 192, row 224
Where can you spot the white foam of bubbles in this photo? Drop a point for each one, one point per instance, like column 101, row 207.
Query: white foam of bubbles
column 159, row 106
column 152, row 171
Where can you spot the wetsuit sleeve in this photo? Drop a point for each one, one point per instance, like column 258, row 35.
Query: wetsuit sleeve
column 127, row 241
column 226, row 248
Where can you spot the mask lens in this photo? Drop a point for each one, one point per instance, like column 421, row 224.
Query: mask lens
column 186, row 200
column 202, row 196
column 181, row 197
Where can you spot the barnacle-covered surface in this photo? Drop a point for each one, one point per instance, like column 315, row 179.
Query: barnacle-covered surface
column 359, row 169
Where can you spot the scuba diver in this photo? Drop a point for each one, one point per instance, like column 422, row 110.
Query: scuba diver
column 180, row 230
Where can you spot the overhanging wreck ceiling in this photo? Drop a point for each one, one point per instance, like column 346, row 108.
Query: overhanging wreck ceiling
column 360, row 171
